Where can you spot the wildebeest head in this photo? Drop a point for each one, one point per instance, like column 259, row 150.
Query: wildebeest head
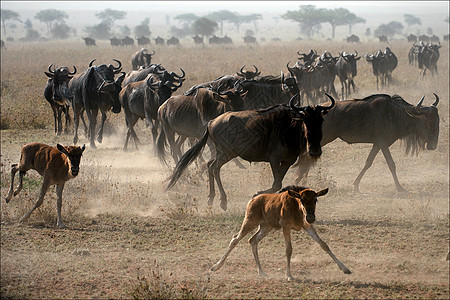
column 312, row 117
column 248, row 74
column 428, row 125
column 308, row 199
column 233, row 98
column 74, row 154
column 351, row 59
column 162, row 90
column 59, row 78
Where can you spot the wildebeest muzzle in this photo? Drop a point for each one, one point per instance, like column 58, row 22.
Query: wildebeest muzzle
column 310, row 218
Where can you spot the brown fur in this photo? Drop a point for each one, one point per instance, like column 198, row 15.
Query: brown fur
column 291, row 208
column 56, row 165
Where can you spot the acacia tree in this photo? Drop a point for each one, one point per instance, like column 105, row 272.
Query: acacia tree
column 51, row 16
column 143, row 29
column 186, row 19
column 352, row 20
column 389, row 29
column 307, row 18
column 8, row 16
column 109, row 16
column 337, row 17
column 204, row 27
column 238, row 20
column 222, row 16
column 412, row 20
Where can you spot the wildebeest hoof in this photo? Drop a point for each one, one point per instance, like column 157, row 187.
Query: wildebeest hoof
column 347, row 271
column 223, row 204
column 61, row 226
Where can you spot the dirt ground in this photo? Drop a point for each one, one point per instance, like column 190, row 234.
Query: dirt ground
column 124, row 230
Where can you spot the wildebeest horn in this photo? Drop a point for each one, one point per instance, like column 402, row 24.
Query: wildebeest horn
column 241, row 88
column 241, row 70
column 118, row 69
column 92, row 61
column 437, row 100
column 420, row 102
column 356, row 53
column 74, row 71
column 179, row 77
column 50, row 69
column 153, row 52
column 256, row 71
column 292, row 106
column 329, row 106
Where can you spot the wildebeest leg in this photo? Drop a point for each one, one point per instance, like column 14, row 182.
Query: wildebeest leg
column 288, row 244
column 377, row 81
column 369, row 161
column 239, row 164
column 102, row 124
column 279, row 169
column 67, row 114
column 59, row 110
column 44, row 188
column 214, row 166
column 59, row 191
column 92, row 117
column 86, row 133
column 391, row 165
column 312, row 232
column 245, row 229
column 76, row 120
column 131, row 121
column 14, row 170
column 254, row 240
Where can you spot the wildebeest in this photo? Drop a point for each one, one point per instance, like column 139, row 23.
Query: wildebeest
column 187, row 116
column 381, row 67
column 157, row 70
column 249, row 40
column 412, row 38
column 143, row 41
column 56, row 165
column 89, row 41
column 55, row 93
column 159, row 41
column 359, row 121
column 383, row 39
column 424, row 38
column 277, row 134
column 413, row 53
column 92, row 90
column 141, row 58
column 292, row 208
column 141, row 100
column 127, row 41
column 353, row 39
column 115, row 42
column 173, row 41
column 427, row 58
column 246, row 74
column 346, row 71
column 220, row 40
column 198, row 40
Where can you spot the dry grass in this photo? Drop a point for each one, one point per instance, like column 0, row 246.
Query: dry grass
column 121, row 220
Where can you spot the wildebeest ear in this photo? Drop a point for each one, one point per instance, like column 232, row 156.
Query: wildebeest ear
column 62, row 149
column 83, row 148
column 220, row 98
column 358, row 58
column 120, row 79
column 322, row 192
column 49, row 75
column 294, row 194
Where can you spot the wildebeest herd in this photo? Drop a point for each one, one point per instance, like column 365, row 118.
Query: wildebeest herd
column 280, row 119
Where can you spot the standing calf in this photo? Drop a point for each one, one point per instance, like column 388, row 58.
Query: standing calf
column 293, row 207
column 56, row 165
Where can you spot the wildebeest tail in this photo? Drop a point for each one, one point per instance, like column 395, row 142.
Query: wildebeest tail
column 187, row 159
column 161, row 145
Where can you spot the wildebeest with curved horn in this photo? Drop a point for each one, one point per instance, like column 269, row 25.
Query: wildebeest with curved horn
column 246, row 74
column 380, row 120
column 141, row 100
column 92, row 90
column 346, row 71
column 278, row 134
column 187, row 116
column 55, row 93
column 428, row 57
column 141, row 58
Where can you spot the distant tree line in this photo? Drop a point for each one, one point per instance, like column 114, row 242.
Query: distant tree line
column 308, row 17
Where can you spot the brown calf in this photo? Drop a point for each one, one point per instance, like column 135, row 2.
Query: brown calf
column 56, row 165
column 293, row 207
